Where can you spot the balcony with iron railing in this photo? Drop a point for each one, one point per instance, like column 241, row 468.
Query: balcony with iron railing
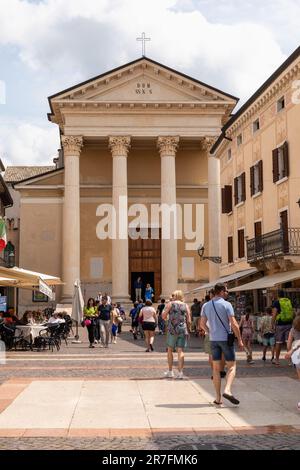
column 274, row 244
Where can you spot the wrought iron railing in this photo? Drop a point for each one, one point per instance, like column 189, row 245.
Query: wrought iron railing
column 277, row 243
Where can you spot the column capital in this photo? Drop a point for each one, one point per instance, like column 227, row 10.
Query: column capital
column 167, row 146
column 207, row 143
column 72, row 145
column 119, row 145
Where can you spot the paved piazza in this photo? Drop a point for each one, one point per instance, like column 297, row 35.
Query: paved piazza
column 116, row 398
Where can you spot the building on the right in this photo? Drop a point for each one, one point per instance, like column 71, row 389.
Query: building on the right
column 259, row 152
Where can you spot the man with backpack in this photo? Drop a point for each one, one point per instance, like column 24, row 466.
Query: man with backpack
column 283, row 318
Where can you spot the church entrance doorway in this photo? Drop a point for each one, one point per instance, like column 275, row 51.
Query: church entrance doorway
column 145, row 261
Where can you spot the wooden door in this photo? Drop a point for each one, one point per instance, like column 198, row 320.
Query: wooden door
column 145, row 257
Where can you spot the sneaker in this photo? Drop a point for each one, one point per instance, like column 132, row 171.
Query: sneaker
column 251, row 362
column 179, row 376
column 96, row 342
column 169, row 374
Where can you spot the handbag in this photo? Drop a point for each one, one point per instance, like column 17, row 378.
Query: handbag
column 230, row 336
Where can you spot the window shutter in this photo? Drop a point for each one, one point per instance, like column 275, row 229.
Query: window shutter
column 243, row 176
column 241, row 243
column 260, row 176
column 236, row 191
column 224, row 209
column 275, row 166
column 286, row 159
column 252, row 189
column 226, row 199
column 230, row 249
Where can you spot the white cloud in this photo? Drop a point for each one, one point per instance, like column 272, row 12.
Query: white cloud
column 23, row 143
column 66, row 41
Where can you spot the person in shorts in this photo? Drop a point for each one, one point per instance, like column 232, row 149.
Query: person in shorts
column 178, row 317
column 267, row 331
column 219, row 314
column 293, row 344
column 283, row 317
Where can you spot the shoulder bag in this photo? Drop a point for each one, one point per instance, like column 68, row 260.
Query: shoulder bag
column 230, row 336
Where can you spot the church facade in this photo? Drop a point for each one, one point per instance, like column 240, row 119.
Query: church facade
column 134, row 138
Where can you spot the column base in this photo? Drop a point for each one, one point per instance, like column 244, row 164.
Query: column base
column 124, row 300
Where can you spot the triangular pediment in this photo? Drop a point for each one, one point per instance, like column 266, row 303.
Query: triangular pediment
column 141, row 81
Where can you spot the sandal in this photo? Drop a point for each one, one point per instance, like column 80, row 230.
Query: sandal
column 231, row 398
column 215, row 402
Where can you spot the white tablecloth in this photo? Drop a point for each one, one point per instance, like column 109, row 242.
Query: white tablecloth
column 29, row 331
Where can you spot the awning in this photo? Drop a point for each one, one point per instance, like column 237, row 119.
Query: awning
column 231, row 277
column 269, row 281
column 25, row 278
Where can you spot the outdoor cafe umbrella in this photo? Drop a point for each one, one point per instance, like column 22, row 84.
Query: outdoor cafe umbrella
column 77, row 307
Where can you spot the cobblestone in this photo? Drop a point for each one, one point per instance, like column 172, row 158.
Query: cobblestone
column 278, row 441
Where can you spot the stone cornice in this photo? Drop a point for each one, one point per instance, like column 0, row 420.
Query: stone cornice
column 72, row 145
column 274, row 91
column 167, row 146
column 119, row 145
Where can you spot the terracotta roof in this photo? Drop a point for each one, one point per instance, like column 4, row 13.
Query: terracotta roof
column 14, row 174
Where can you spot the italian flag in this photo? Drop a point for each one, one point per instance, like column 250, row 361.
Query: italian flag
column 3, row 240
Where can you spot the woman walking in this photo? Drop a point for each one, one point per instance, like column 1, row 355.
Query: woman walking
column 293, row 346
column 247, row 327
column 149, row 293
column 178, row 315
column 148, row 314
column 267, row 330
column 90, row 314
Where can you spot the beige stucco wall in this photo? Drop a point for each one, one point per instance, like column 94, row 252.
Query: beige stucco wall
column 275, row 128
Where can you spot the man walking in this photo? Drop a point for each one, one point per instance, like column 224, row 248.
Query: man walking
column 138, row 285
column 104, row 310
column 283, row 319
column 195, row 311
column 219, row 314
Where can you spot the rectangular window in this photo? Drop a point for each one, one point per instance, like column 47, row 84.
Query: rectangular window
column 280, row 104
column 239, row 140
column 280, row 162
column 241, row 244
column 230, row 249
column 229, row 155
column 240, row 189
column 226, row 199
column 256, row 178
column 256, row 126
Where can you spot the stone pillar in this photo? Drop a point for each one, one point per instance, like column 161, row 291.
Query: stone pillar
column 167, row 147
column 119, row 147
column 72, row 146
column 214, row 208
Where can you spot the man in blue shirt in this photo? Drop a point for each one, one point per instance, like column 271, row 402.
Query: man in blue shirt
column 217, row 319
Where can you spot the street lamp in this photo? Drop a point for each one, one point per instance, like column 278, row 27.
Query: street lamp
column 214, row 259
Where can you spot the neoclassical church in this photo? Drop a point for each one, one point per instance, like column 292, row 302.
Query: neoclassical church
column 140, row 133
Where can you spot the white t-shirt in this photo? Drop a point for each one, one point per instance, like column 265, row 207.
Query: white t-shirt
column 148, row 314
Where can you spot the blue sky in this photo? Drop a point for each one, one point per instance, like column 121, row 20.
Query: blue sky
column 46, row 46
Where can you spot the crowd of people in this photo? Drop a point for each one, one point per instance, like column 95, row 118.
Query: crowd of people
column 213, row 319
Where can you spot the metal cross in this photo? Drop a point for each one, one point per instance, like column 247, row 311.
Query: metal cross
column 143, row 39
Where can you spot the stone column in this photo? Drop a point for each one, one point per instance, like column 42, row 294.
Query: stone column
column 72, row 146
column 167, row 147
column 214, row 208
column 119, row 147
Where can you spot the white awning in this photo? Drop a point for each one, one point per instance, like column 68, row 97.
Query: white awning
column 269, row 281
column 230, row 277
